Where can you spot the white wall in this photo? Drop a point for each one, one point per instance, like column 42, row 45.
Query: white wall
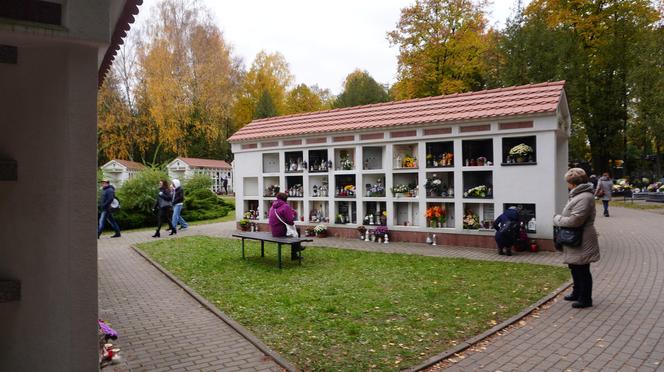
column 538, row 184
column 47, row 233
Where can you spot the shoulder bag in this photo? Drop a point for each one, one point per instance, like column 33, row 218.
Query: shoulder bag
column 291, row 231
column 569, row 236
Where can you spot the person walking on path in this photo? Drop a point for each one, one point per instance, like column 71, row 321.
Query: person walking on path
column 281, row 214
column 178, row 203
column 163, row 206
column 105, row 201
column 224, row 183
column 604, row 188
column 507, row 230
column 579, row 212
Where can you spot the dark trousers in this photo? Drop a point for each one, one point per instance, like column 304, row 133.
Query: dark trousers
column 583, row 283
column 164, row 215
column 605, row 203
column 294, row 251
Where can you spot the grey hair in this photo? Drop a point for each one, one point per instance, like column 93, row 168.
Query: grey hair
column 576, row 176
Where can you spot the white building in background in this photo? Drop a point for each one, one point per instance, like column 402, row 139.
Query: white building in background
column 357, row 156
column 119, row 171
column 218, row 170
column 53, row 56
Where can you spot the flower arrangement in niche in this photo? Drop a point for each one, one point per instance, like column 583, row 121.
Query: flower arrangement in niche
column 400, row 189
column 320, row 228
column 409, row 162
column 521, row 151
column 346, row 163
column 434, row 185
column 480, row 191
column 436, row 215
column 471, row 220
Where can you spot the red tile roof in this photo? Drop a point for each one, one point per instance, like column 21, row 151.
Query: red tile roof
column 130, row 164
column 488, row 104
column 122, row 25
column 205, row 163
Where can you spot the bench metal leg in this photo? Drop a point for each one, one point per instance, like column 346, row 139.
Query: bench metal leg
column 262, row 248
column 243, row 248
column 279, row 253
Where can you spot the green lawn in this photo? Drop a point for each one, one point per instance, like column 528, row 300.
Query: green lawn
column 353, row 310
column 633, row 205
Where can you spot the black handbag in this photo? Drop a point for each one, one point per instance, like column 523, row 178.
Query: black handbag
column 569, row 236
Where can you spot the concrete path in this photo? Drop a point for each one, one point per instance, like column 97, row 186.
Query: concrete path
column 622, row 332
column 163, row 328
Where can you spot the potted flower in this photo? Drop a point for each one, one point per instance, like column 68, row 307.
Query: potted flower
column 520, row 152
column 244, row 224
column 480, row 191
column 471, row 220
column 362, row 230
column 383, row 218
column 380, row 231
column 398, row 190
column 436, row 216
column 345, row 163
column 434, row 186
column 409, row 162
column 320, row 230
column 349, row 190
column 309, row 232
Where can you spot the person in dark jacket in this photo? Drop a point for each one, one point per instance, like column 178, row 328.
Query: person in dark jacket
column 286, row 214
column 105, row 201
column 178, row 203
column 163, row 206
column 506, row 235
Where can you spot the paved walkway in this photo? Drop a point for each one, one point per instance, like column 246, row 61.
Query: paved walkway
column 622, row 332
column 162, row 328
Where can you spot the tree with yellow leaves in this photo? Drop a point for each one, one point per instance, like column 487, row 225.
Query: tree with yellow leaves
column 189, row 78
column 268, row 73
column 442, row 46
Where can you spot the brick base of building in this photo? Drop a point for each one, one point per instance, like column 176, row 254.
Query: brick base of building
column 442, row 238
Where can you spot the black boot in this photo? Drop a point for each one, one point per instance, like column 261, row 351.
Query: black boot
column 173, row 231
column 156, row 235
column 117, row 235
column 571, row 297
column 500, row 251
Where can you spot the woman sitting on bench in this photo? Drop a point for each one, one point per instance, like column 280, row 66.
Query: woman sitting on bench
column 280, row 214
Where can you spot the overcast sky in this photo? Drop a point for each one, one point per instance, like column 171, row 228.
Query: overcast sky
column 323, row 41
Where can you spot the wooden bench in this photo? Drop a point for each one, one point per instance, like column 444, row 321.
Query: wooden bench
column 267, row 237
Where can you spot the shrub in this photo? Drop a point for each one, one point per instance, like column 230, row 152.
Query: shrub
column 197, row 182
column 140, row 193
column 203, row 204
column 137, row 198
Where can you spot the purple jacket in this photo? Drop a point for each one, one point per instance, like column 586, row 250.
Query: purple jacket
column 285, row 212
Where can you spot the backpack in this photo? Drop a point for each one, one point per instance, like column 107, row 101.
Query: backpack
column 509, row 230
column 115, row 205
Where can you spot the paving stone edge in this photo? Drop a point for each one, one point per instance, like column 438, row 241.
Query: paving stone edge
column 497, row 328
column 228, row 320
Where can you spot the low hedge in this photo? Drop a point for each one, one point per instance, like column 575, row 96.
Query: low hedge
column 138, row 195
